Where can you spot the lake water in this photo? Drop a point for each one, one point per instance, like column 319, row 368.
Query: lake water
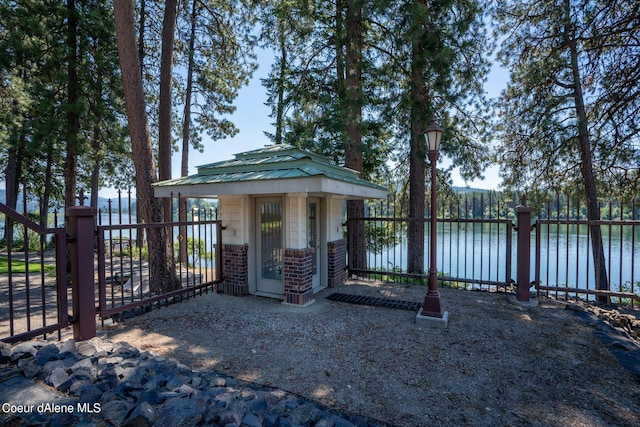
column 117, row 218
column 479, row 252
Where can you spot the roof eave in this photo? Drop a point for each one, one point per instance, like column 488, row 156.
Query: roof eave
column 313, row 184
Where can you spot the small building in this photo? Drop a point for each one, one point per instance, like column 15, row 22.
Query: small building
column 282, row 211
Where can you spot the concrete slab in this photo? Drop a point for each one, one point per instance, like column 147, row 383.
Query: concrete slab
column 288, row 304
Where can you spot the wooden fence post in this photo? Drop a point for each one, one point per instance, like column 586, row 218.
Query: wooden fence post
column 81, row 234
column 524, row 252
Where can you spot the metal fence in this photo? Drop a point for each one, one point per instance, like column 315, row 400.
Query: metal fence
column 474, row 244
column 563, row 253
column 98, row 265
column 34, row 296
column 125, row 278
column 476, row 247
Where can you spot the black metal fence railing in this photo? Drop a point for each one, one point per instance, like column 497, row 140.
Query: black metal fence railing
column 476, row 246
column 564, row 250
column 34, row 297
column 44, row 271
column 127, row 281
column 474, row 243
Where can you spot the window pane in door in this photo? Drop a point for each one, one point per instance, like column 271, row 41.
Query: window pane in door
column 312, row 228
column 271, row 251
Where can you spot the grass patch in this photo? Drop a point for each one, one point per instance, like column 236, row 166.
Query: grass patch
column 18, row 266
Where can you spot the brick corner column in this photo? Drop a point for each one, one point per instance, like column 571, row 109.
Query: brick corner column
column 235, row 270
column 298, row 272
column 337, row 262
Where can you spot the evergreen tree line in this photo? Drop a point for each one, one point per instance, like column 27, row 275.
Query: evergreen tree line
column 94, row 93
column 492, row 204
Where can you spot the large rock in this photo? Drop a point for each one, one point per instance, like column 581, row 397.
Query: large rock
column 84, row 367
column 142, row 416
column 305, row 415
column 250, row 420
column 67, row 346
column 47, row 353
column 180, row 412
column 109, row 376
column 116, row 411
column 58, row 377
column 86, row 348
column 25, row 349
column 228, row 417
column 29, row 367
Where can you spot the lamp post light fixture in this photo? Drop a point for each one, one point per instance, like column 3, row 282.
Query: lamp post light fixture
column 431, row 310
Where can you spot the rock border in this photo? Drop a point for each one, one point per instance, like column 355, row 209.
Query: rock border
column 104, row 383
column 627, row 324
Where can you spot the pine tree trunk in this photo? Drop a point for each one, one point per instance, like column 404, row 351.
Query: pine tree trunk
column 46, row 196
column 586, row 165
column 281, row 78
column 186, row 135
column 73, row 116
column 415, row 228
column 164, row 108
column 13, row 172
column 142, row 19
column 353, row 153
column 161, row 279
column 165, row 145
column 95, row 172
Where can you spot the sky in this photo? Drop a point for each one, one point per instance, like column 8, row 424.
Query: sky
column 252, row 119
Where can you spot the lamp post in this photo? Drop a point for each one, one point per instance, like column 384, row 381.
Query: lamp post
column 431, row 306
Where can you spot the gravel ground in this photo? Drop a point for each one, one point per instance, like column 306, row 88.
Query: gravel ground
column 496, row 364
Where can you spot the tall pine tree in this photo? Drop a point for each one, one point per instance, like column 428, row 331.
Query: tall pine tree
column 567, row 118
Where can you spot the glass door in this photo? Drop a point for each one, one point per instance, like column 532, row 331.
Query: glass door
column 270, row 251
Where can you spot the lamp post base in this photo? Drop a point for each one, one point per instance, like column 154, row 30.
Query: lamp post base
column 429, row 321
column 431, row 305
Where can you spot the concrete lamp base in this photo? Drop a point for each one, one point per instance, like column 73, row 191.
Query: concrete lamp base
column 433, row 322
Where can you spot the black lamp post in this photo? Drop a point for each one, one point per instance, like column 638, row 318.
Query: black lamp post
column 431, row 306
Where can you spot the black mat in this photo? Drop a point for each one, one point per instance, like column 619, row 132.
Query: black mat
column 626, row 352
column 375, row 301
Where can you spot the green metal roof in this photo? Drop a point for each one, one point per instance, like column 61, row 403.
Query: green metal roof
column 276, row 162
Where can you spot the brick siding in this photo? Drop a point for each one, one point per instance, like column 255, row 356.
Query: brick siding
column 336, row 260
column 235, row 269
column 298, row 271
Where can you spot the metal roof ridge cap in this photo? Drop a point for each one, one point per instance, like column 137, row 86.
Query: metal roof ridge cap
column 264, row 151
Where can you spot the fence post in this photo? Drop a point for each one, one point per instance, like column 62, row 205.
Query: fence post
column 81, row 241
column 524, row 251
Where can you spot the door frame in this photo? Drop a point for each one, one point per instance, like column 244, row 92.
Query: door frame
column 317, row 258
column 320, row 282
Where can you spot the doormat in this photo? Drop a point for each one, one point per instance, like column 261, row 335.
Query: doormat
column 375, row 301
